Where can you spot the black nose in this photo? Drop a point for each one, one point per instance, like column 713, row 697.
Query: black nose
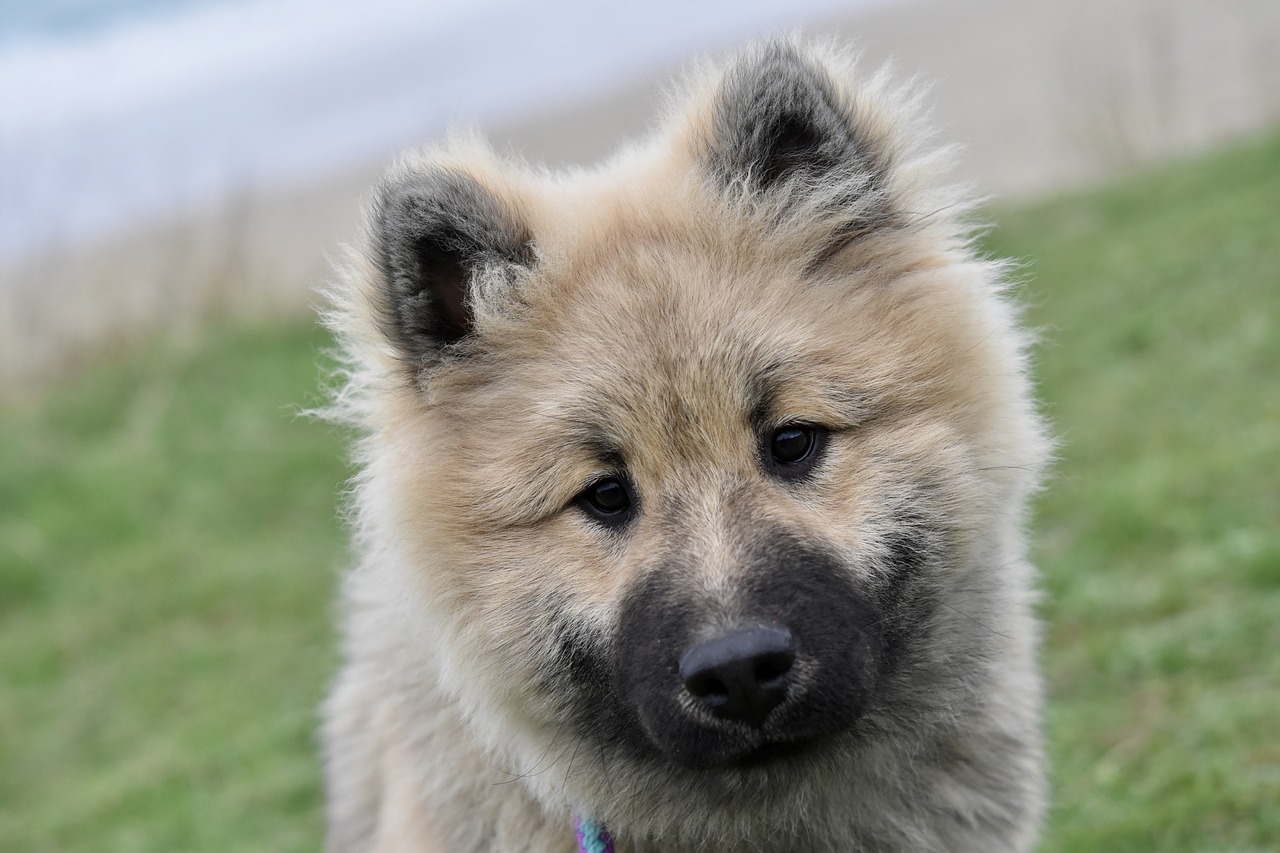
column 741, row 675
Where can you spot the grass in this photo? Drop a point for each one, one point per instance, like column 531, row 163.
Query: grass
column 1159, row 539
column 169, row 550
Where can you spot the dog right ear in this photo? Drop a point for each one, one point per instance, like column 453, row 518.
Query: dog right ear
column 435, row 232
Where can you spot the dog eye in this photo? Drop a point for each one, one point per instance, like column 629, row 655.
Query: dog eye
column 792, row 450
column 791, row 445
column 607, row 500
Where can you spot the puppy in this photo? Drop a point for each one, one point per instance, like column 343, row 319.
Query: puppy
column 691, row 493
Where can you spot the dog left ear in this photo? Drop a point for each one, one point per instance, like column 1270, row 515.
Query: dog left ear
column 436, row 231
column 777, row 118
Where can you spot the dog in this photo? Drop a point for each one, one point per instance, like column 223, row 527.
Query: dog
column 691, row 492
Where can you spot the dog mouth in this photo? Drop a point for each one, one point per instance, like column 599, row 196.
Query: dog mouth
column 771, row 753
column 708, row 750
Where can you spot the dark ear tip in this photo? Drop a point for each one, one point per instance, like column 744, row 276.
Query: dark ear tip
column 778, row 62
column 785, row 51
column 395, row 196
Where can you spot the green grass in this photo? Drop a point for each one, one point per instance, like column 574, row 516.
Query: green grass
column 169, row 549
column 1159, row 537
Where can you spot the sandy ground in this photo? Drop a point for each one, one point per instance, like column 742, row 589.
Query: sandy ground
column 1043, row 96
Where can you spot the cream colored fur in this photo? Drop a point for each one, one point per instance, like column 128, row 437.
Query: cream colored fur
column 657, row 292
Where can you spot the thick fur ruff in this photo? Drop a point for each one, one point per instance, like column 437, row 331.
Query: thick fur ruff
column 526, row 352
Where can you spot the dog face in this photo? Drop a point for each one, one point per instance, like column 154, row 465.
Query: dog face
column 702, row 467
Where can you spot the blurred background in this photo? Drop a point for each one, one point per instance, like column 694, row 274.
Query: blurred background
column 176, row 174
column 163, row 161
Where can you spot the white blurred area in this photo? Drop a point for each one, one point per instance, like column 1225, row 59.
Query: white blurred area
column 157, row 106
column 166, row 163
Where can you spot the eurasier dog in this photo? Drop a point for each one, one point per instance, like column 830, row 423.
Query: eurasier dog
column 691, row 493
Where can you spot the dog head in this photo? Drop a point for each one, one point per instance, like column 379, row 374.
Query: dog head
column 706, row 467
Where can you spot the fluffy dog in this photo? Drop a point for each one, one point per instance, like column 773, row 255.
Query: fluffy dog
column 691, row 493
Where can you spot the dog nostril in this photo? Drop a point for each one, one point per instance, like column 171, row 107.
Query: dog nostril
column 707, row 687
column 741, row 675
column 773, row 667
